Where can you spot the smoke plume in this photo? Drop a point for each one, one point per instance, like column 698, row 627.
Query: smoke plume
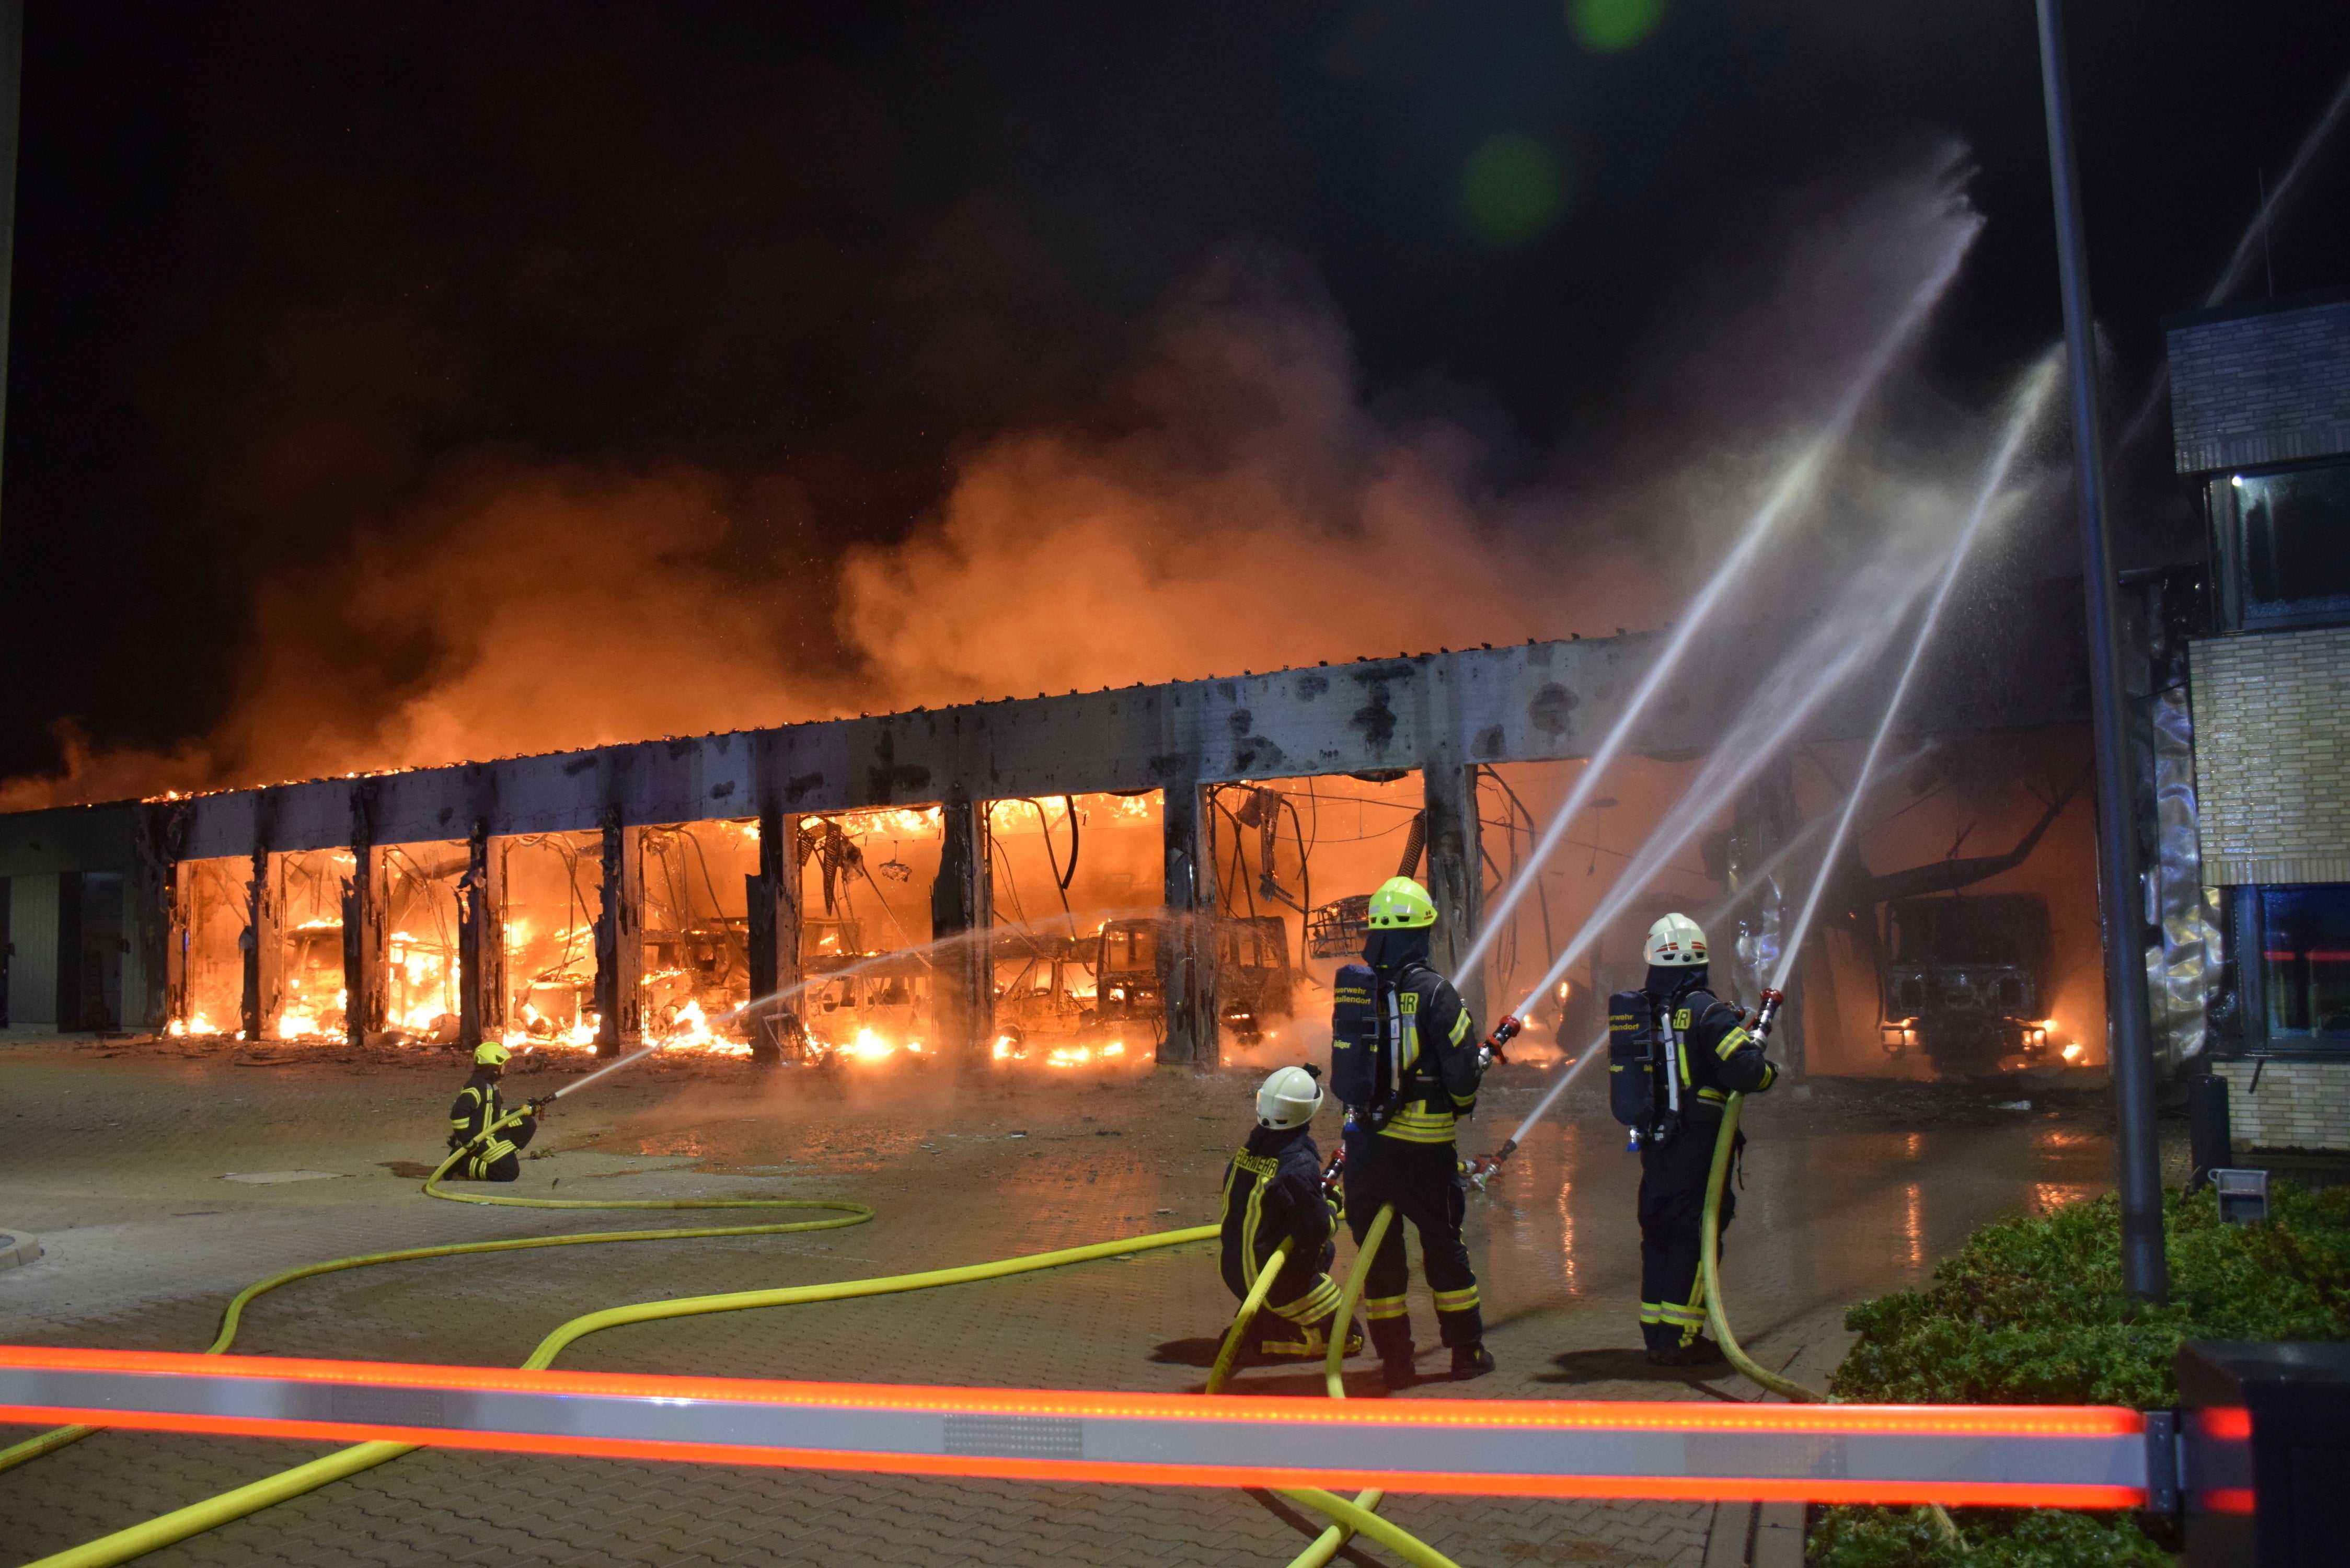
column 1237, row 497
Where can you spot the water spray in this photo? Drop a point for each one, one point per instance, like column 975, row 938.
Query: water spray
column 773, row 997
column 1720, row 780
column 1804, row 680
column 1790, row 487
column 2273, row 201
column 2028, row 404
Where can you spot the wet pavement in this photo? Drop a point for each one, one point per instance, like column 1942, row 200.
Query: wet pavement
column 116, row 1157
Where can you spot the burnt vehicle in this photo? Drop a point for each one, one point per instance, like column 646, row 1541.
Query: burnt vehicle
column 1339, row 929
column 1966, row 979
column 1044, row 985
column 1255, row 982
column 860, row 1007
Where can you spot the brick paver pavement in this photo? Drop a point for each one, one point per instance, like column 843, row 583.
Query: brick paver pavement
column 116, row 1156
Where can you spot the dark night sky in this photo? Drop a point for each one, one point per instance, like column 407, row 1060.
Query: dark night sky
column 279, row 264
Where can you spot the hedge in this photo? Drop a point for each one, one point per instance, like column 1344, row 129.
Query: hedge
column 2032, row 1310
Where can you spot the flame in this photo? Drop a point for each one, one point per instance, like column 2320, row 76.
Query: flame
column 868, row 1046
column 1078, row 1055
column 198, row 1025
column 2073, row 1052
column 1002, row 1050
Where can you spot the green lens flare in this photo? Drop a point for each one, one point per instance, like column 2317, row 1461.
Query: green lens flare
column 1611, row 27
column 1512, row 187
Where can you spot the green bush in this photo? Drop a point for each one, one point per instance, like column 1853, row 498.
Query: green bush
column 1991, row 1538
column 2031, row 1311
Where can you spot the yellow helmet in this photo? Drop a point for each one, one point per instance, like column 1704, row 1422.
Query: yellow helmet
column 490, row 1054
column 1401, row 904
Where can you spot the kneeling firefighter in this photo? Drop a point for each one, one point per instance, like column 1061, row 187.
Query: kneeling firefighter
column 1676, row 1053
column 1405, row 1058
column 1275, row 1191
column 489, row 1157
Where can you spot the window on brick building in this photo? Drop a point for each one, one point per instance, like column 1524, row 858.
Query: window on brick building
column 2306, row 964
column 2292, row 545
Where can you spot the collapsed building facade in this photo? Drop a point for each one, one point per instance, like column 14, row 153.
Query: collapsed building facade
column 413, row 903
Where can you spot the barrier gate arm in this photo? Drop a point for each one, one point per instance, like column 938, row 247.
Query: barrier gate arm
column 2086, row 1456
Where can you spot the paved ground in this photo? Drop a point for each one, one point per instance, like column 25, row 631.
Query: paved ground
column 115, row 1156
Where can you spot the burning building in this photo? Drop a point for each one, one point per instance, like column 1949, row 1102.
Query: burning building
column 1149, row 873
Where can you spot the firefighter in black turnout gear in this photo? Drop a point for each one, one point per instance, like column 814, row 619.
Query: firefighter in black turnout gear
column 488, row 1158
column 1404, row 1058
column 1676, row 1053
column 1273, row 1192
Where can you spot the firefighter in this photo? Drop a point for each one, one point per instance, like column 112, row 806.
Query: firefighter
column 1273, row 1193
column 1409, row 1160
column 1717, row 1056
column 497, row 1158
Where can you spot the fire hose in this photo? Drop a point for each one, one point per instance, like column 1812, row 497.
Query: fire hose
column 1356, row 1517
column 212, row 1512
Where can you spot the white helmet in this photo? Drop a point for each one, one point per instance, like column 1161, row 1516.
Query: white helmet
column 1674, row 942
column 1288, row 1099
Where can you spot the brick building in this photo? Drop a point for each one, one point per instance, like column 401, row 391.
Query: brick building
column 2260, row 419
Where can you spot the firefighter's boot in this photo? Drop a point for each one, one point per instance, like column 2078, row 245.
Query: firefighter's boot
column 1471, row 1361
column 1311, row 1339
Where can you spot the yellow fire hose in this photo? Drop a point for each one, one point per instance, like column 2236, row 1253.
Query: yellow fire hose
column 1229, row 1352
column 212, row 1512
column 1725, row 1143
column 1357, row 1516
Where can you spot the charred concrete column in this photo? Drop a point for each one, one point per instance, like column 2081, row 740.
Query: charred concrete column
column 156, row 920
column 481, row 941
column 773, row 893
column 1456, row 878
column 963, row 900
column 1186, row 950
column 1764, row 820
column 262, row 946
column 620, row 939
column 367, row 940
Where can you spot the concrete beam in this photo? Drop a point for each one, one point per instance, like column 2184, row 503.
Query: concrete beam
column 619, row 940
column 774, row 902
column 366, row 945
column 155, row 921
column 1187, row 956
column 962, row 903
column 1456, row 877
column 262, row 946
column 367, row 927
column 481, row 941
column 2014, row 665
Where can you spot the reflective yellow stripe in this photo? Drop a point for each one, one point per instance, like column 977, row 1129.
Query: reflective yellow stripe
column 1460, row 1027
column 1378, row 1308
column 1652, row 1312
column 1249, row 1222
column 1714, row 1094
column 1770, row 1076
column 1417, row 1124
column 1730, row 1042
column 1456, row 1300
column 1318, row 1302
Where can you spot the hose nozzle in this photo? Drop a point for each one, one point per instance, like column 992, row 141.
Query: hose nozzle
column 1768, row 1013
column 1481, row 1168
column 1503, row 1032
